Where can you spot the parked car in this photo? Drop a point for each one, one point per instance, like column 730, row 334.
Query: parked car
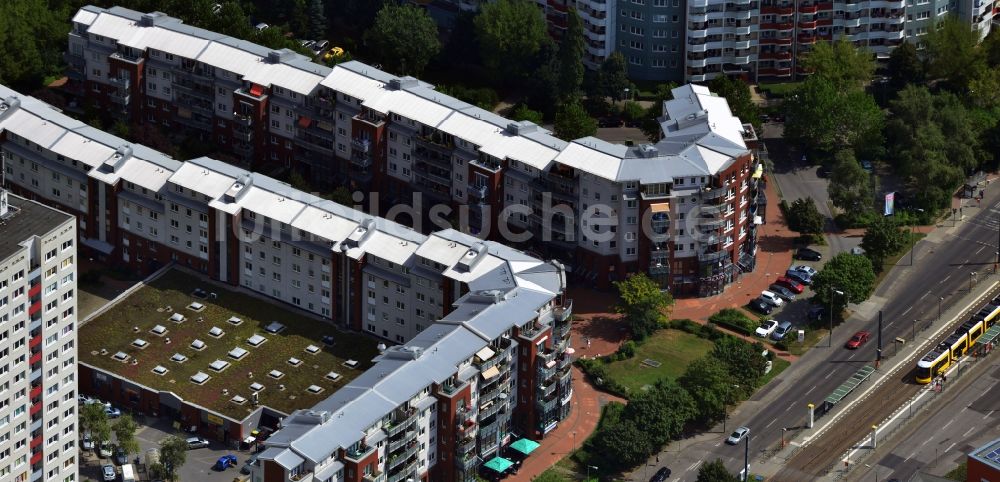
column 108, row 471
column 809, row 270
column 216, row 8
column 816, row 312
column 760, row 306
column 857, row 340
column 320, row 46
column 121, row 458
column 799, row 276
column 197, row 443
column 112, row 412
column 225, row 462
column 307, row 43
column 807, row 254
column 105, row 450
column 866, row 165
column 261, row 26
column 771, row 298
column 766, row 328
column 609, row 122
column 783, row 328
column 791, row 284
column 661, row 475
column 857, row 251
column 88, row 442
column 782, row 292
column 738, row 435
column 252, row 461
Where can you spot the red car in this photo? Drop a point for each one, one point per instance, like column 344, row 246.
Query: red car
column 857, row 340
column 790, row 284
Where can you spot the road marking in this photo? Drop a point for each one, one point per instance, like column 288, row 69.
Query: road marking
column 986, row 391
column 987, row 415
column 693, row 466
column 925, row 443
column 950, row 447
column 981, row 249
column 852, row 355
column 811, row 389
column 924, row 296
column 772, row 423
column 945, row 279
column 828, row 375
column 907, row 310
column 966, row 434
column 947, row 424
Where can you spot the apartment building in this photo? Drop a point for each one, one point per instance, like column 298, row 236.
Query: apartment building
column 447, row 292
column 38, row 402
column 401, row 138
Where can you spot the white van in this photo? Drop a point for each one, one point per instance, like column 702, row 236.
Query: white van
column 128, row 473
column 152, row 457
column 771, row 298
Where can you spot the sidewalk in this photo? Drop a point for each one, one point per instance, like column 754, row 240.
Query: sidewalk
column 571, row 433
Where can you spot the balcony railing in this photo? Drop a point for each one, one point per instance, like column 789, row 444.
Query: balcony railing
column 242, row 119
column 359, row 452
column 363, row 145
column 565, row 311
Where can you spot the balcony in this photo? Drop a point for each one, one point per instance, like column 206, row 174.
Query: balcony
column 121, row 96
column 466, row 445
column 361, row 145
column 359, row 452
column 565, row 311
column 710, row 256
column 775, row 10
column 467, row 463
column 243, row 135
column 120, row 82
column 125, row 57
column 242, row 119
column 402, row 441
column 402, row 419
column 404, row 473
column 808, row 9
column 398, row 459
column 775, row 41
column 479, row 192
column 778, row 26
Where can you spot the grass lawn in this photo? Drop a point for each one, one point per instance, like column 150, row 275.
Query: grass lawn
column 779, row 90
column 674, row 349
column 896, row 258
column 778, row 365
column 113, row 332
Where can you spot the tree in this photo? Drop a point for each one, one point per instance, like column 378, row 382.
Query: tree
column 905, row 66
column 847, row 67
column 521, row 112
column 317, row 19
column 804, row 217
column 650, row 125
column 404, row 38
column 624, row 443
column 664, row 411
column 710, row 384
column 849, row 273
column 231, row 20
column 743, row 360
column 124, row 430
column 614, row 77
column 737, row 95
column 510, row 33
column 715, row 471
column 341, row 195
column 991, row 47
column 94, row 419
column 850, row 186
column 632, row 111
column 826, row 118
column 571, row 51
column 882, row 239
column 642, row 302
column 36, row 37
column 173, row 454
column 953, row 54
column 573, row 122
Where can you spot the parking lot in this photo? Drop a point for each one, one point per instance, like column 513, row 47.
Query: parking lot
column 197, row 467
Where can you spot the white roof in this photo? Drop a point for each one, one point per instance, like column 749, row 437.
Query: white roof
column 324, row 224
column 410, row 106
column 30, row 126
column 353, row 84
column 87, row 151
column 389, row 247
column 84, row 16
column 202, row 180
column 586, row 158
column 271, row 205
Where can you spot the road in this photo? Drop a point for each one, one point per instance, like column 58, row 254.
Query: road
column 939, row 438
column 942, row 265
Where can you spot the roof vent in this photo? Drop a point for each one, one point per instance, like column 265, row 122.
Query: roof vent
column 238, row 189
column 360, row 233
column 117, row 159
column 649, row 150
column 472, row 257
column 400, row 83
column 521, row 127
column 8, row 106
column 278, row 56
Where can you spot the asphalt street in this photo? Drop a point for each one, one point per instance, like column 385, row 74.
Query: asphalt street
column 941, row 436
column 908, row 297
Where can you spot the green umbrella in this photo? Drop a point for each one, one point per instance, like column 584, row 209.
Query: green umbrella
column 525, row 446
column 499, row 464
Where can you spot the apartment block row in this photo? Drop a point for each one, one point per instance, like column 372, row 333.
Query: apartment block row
column 140, row 209
column 681, row 210
column 38, row 400
column 697, row 40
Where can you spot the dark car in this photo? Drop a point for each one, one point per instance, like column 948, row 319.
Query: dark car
column 782, row 292
column 760, row 306
column 823, row 172
column 661, row 475
column 807, row 254
column 799, row 276
column 120, row 457
column 816, row 313
column 857, row 340
column 610, row 122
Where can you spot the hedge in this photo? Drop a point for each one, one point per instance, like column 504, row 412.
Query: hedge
column 735, row 320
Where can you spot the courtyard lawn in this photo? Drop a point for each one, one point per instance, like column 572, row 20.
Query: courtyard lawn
column 115, row 329
column 673, row 349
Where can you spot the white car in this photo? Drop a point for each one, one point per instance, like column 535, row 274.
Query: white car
column 197, row 443
column 738, row 435
column 88, row 443
column 806, row 269
column 771, row 298
column 766, row 328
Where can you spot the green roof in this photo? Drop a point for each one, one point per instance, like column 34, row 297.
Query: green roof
column 525, row 446
column 990, row 336
column 499, row 464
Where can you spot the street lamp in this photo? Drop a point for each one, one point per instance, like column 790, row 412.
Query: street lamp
column 588, row 471
column 940, row 300
column 912, row 240
column 972, row 280
column 725, row 411
column 832, row 292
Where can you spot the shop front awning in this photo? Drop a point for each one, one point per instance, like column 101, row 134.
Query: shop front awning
column 525, row 446
column 485, row 354
column 499, row 464
column 757, row 173
column 304, row 122
column 660, row 207
column 256, row 90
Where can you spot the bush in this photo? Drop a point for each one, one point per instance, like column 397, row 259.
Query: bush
column 735, row 320
column 482, row 97
column 626, row 351
column 597, row 372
